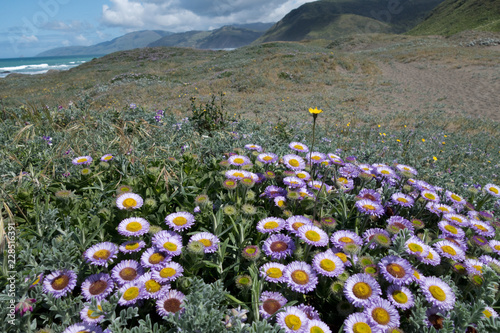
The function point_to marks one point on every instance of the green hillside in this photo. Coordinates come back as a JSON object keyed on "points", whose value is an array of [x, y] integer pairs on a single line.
{"points": [[333, 18], [453, 16]]}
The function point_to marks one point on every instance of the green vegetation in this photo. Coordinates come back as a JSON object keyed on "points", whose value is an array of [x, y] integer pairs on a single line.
{"points": [[453, 16]]}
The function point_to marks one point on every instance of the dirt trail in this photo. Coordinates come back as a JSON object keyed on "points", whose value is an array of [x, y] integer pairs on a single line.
{"points": [[471, 89]]}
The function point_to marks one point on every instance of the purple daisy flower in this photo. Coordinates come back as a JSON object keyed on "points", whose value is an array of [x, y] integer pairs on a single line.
{"points": [[101, 254], [273, 191], [133, 226], [170, 302], [361, 289], [253, 147], [315, 157], [168, 272], [132, 246], [278, 246], [293, 182], [344, 184], [267, 158], [328, 264], [396, 270], [438, 293], [60, 283], [129, 201], [492, 189], [482, 228], [131, 293], [402, 200], [376, 237], [300, 277], [310, 312], [279, 201], [450, 230], [406, 168], [271, 302], [294, 162], [271, 224], [126, 271], [369, 194], [369, 207], [416, 247], [293, 223], [97, 286], [152, 258], [495, 246], [304, 175], [396, 223], [433, 258], [238, 160], [209, 241], [349, 171], [430, 196], [82, 160], [171, 244], [180, 221], [385, 171], [358, 322], [272, 272], [237, 174], [450, 250], [316, 325], [343, 237], [152, 288], [297, 146], [107, 157], [313, 235], [88, 315], [455, 198], [292, 319], [382, 314], [457, 219], [400, 296]]}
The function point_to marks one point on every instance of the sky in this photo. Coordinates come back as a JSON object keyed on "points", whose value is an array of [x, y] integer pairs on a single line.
{"points": [[28, 27]]}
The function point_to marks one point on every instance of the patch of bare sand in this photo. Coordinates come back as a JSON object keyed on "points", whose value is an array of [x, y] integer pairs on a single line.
{"points": [[471, 89]]}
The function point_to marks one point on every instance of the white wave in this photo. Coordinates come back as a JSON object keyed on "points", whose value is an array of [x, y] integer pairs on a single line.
{"points": [[23, 67]]}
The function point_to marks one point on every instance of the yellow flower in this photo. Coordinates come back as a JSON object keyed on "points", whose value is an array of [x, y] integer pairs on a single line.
{"points": [[423, 140], [315, 111], [398, 140], [435, 158]]}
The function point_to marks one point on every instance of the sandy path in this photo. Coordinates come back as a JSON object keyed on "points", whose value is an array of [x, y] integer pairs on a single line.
{"points": [[472, 90]]}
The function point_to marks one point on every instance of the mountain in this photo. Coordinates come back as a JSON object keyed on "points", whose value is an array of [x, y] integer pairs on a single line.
{"points": [[330, 19], [222, 38], [129, 41], [453, 16]]}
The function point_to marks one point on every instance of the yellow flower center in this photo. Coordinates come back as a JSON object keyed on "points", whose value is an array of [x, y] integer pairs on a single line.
{"points": [[368, 207], [107, 158], [361, 328], [131, 293], [238, 160], [327, 264], [251, 250], [132, 246], [362, 290], [81, 160], [448, 249], [456, 197], [487, 313], [271, 225], [301, 175], [297, 225], [400, 297], [430, 196], [230, 182], [346, 240], [238, 174], [152, 286], [60, 282], [312, 235], [129, 203], [167, 272], [403, 200], [90, 313], [497, 247], [480, 227], [156, 258], [281, 203], [437, 293], [415, 247], [169, 246], [179, 220], [300, 277], [205, 242], [342, 256], [316, 329], [293, 162], [457, 219], [396, 270], [315, 157], [381, 316], [494, 190], [443, 209], [385, 172], [133, 226], [101, 254], [293, 322], [298, 147], [451, 229], [274, 273], [267, 158]]}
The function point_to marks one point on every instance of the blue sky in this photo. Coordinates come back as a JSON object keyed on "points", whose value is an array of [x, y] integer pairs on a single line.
{"points": [[29, 27]]}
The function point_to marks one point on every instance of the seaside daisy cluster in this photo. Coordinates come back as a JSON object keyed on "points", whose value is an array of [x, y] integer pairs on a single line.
{"points": [[283, 237]]}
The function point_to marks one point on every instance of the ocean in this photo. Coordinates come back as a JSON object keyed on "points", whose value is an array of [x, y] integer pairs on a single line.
{"points": [[40, 65]]}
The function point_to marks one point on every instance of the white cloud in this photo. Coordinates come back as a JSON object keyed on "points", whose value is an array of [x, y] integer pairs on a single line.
{"points": [[182, 15], [82, 40], [29, 39]]}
